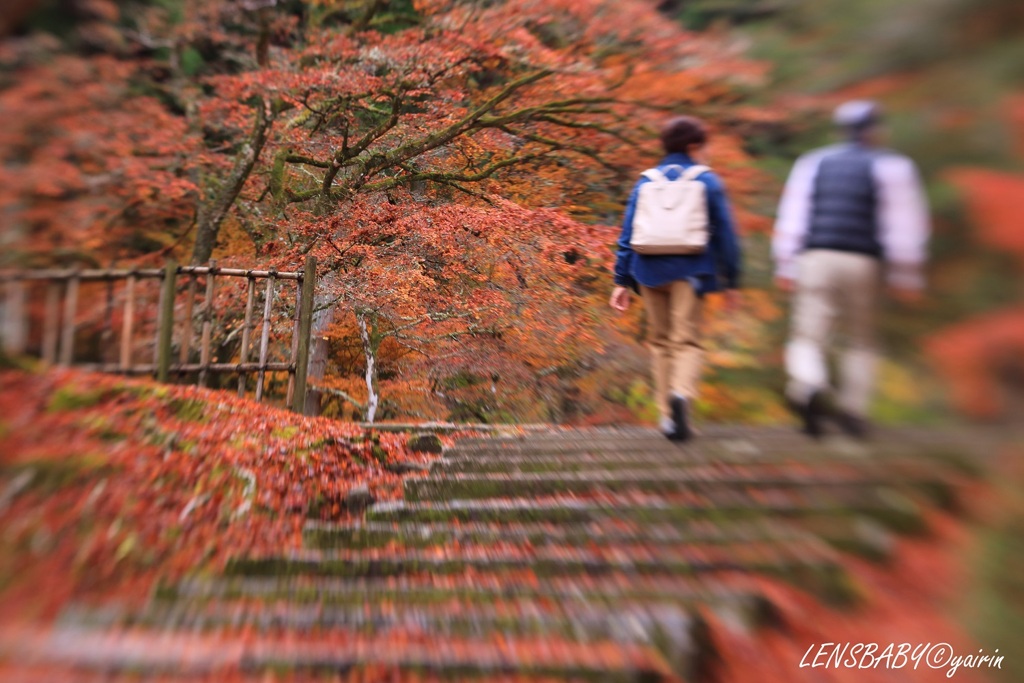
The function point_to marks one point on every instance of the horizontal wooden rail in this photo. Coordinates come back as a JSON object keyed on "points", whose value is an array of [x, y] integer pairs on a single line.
{"points": [[59, 292], [446, 427], [155, 273], [148, 369]]}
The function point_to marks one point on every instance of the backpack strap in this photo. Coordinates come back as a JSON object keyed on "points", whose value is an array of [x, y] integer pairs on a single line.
{"points": [[691, 173], [694, 171]]}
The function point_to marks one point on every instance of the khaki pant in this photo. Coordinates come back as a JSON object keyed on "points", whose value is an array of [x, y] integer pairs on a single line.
{"points": [[673, 311], [834, 286]]}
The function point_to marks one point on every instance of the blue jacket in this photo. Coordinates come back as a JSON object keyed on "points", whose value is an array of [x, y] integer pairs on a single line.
{"points": [[719, 265]]}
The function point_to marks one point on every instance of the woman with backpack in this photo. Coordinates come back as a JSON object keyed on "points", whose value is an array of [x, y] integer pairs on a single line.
{"points": [[678, 244]]}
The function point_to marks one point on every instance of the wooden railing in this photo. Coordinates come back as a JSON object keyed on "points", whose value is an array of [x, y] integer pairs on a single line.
{"points": [[55, 333]]}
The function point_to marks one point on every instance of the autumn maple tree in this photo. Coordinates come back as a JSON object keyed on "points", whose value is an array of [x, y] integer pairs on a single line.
{"points": [[391, 153], [457, 168]]}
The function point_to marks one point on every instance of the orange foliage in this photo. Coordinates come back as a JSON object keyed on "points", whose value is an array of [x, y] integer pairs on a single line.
{"points": [[165, 478], [93, 167], [1015, 115], [994, 206], [880, 87], [974, 355]]}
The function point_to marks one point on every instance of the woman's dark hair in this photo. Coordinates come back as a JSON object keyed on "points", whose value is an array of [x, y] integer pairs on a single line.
{"points": [[680, 133]]}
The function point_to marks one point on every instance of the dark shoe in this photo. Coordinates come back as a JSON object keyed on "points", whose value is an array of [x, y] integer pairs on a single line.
{"points": [[681, 426], [812, 413], [852, 425]]}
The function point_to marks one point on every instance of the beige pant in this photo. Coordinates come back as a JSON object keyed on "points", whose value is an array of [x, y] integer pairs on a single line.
{"points": [[834, 286], [673, 311]]}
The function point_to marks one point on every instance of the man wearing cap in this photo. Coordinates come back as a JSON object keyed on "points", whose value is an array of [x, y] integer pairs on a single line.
{"points": [[850, 214]]}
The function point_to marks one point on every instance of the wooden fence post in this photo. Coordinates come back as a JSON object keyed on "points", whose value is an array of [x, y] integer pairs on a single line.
{"points": [[305, 328], [67, 342], [51, 322], [293, 359], [107, 334], [165, 326], [128, 324], [186, 334], [14, 327], [268, 303], [243, 354], [204, 349]]}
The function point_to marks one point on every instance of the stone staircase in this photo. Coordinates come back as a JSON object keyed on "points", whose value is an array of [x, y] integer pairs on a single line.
{"points": [[602, 554]]}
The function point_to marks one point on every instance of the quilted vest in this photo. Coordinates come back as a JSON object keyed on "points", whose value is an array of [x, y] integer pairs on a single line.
{"points": [[843, 206]]}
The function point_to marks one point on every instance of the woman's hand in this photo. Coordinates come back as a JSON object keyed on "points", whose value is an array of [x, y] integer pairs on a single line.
{"points": [[733, 301], [620, 299]]}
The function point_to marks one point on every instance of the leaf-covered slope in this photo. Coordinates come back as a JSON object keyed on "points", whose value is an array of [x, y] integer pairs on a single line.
{"points": [[107, 482]]}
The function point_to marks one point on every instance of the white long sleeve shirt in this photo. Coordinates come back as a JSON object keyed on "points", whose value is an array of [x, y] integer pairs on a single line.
{"points": [[902, 215]]}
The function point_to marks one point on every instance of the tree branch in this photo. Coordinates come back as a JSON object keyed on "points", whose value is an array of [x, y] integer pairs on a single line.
{"points": [[340, 394], [447, 178], [563, 145], [444, 136], [212, 213], [306, 161]]}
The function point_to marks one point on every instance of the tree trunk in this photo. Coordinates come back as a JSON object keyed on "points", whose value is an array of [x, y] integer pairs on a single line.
{"points": [[367, 17], [13, 295], [323, 317], [369, 350], [214, 209], [265, 11], [13, 314]]}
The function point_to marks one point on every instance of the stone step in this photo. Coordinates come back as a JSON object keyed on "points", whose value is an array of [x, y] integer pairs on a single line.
{"points": [[361, 535], [742, 592], [560, 435], [939, 488], [583, 462], [682, 558], [572, 618], [858, 535], [710, 433], [359, 673], [893, 508], [148, 654], [733, 452], [959, 448], [447, 614], [808, 562], [947, 456]]}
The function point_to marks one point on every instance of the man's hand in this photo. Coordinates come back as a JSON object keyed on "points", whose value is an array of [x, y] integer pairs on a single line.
{"points": [[784, 284], [906, 295], [620, 299]]}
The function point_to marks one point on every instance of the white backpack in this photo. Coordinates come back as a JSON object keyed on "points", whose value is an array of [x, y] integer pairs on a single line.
{"points": [[671, 216]]}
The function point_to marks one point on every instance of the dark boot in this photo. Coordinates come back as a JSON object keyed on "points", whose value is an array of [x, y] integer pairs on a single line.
{"points": [[853, 425], [680, 419], [812, 413]]}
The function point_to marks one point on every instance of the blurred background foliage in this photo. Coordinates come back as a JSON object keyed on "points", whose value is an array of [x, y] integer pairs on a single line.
{"points": [[950, 74]]}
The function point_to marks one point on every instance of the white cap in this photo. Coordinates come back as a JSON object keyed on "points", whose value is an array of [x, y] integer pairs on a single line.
{"points": [[857, 114]]}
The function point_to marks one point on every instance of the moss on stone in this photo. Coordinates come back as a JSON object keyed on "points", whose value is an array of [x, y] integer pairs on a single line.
{"points": [[68, 398], [189, 409]]}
